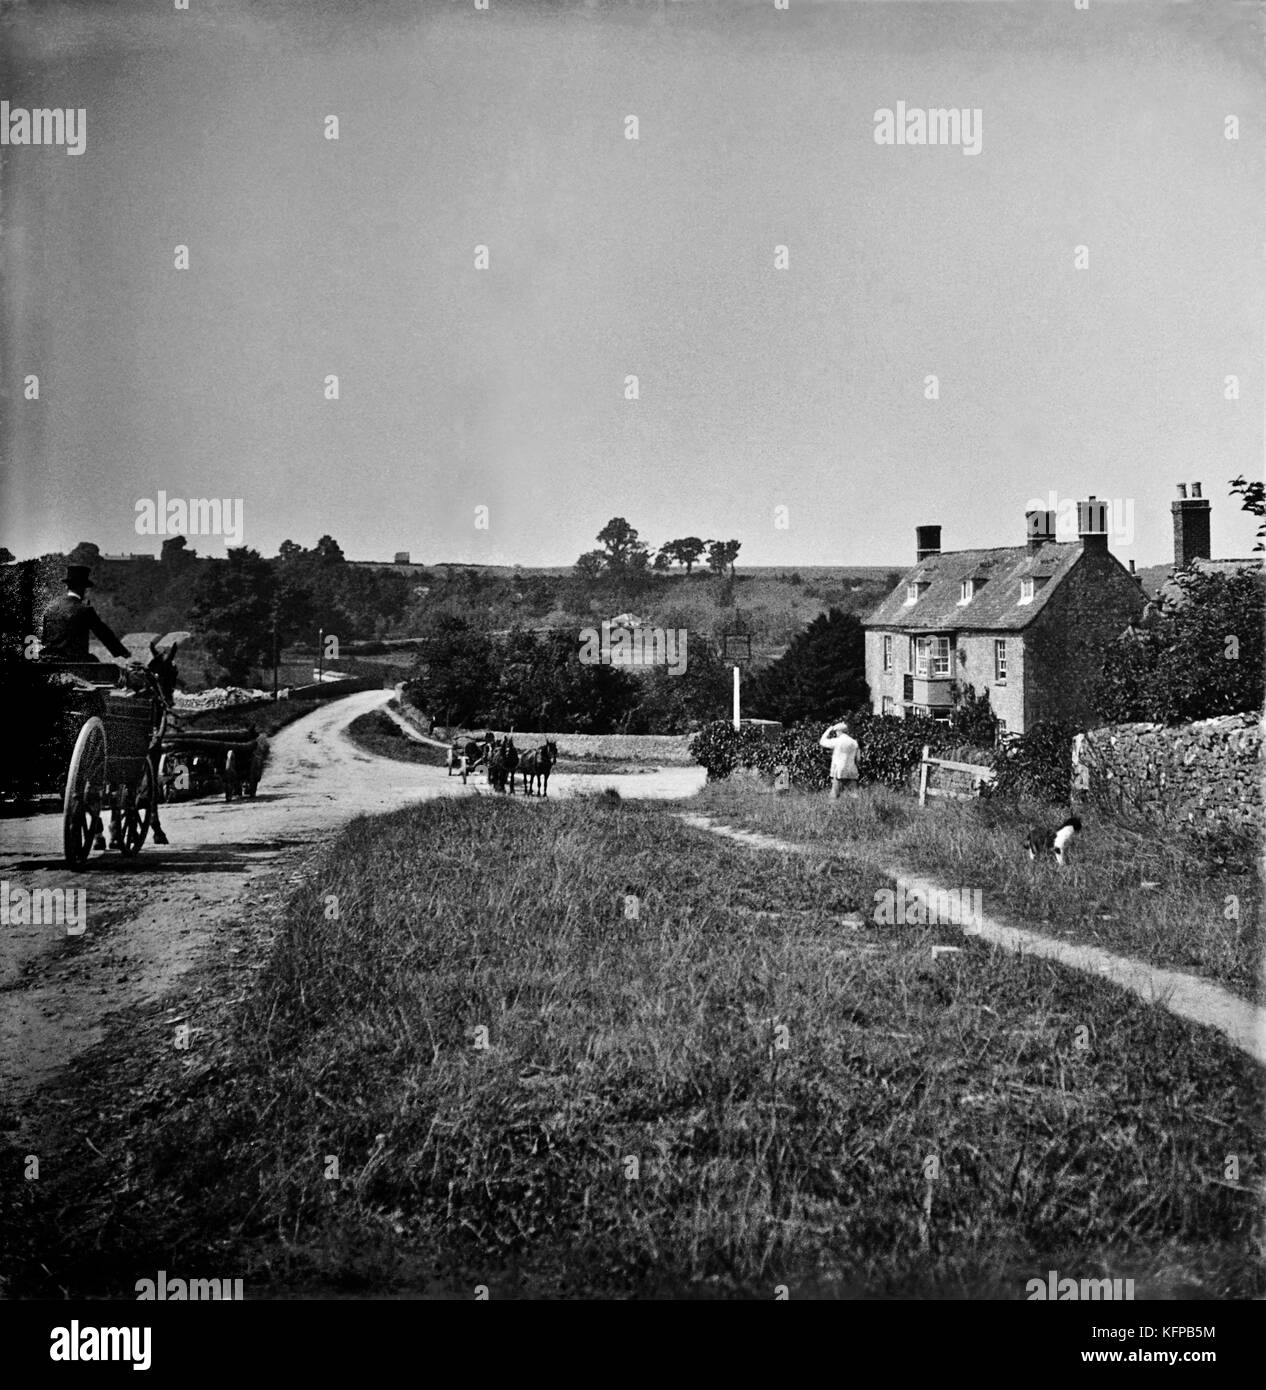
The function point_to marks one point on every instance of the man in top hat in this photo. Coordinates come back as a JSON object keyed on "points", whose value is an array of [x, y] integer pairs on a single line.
{"points": [[68, 621]]}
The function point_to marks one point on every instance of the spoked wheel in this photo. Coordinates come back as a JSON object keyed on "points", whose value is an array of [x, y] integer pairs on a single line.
{"points": [[85, 794], [138, 813]]}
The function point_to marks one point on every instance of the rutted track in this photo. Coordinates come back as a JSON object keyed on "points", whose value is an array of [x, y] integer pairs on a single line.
{"points": [[151, 918]]}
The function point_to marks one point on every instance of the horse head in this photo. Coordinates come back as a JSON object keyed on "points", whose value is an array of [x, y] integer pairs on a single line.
{"points": [[162, 666]]}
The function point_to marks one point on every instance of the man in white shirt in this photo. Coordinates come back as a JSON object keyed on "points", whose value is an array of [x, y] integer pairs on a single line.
{"points": [[844, 750]]}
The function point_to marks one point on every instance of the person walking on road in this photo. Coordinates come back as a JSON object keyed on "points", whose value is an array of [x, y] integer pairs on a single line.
{"points": [[844, 749]]}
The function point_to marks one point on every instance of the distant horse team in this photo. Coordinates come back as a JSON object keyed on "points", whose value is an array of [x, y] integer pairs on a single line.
{"points": [[503, 762]]}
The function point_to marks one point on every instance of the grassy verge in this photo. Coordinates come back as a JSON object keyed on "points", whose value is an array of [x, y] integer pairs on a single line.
{"points": [[1181, 921], [526, 1086], [379, 734]]}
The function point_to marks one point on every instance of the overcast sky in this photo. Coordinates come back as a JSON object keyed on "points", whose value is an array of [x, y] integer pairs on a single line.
{"points": [[504, 388]]}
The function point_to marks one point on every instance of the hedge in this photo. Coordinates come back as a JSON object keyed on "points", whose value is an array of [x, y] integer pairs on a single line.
{"points": [[889, 749]]}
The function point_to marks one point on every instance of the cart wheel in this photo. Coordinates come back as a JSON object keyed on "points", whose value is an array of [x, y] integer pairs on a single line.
{"points": [[137, 814], [85, 789]]}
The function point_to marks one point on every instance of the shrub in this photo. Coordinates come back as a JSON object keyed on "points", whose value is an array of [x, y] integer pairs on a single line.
{"points": [[1037, 763], [889, 753]]}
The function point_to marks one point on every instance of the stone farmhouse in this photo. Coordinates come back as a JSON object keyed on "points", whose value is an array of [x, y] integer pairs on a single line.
{"points": [[1028, 624]]}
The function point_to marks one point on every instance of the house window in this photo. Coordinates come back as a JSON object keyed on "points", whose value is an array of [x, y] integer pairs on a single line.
{"points": [[1000, 661], [1026, 591], [966, 589], [887, 652], [912, 594], [888, 706], [1001, 730], [931, 657]]}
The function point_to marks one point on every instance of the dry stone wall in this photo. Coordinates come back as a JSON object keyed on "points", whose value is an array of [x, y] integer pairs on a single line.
{"points": [[1206, 775]]}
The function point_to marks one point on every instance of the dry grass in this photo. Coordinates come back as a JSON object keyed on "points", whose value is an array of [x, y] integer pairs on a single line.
{"points": [[1202, 912], [783, 1082]]}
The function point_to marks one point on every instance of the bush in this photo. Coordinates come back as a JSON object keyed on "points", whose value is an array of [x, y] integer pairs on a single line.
{"points": [[1199, 654], [1037, 763], [890, 749]]}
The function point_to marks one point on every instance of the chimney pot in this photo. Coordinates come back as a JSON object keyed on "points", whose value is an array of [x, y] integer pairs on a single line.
{"points": [[1191, 527], [927, 541], [1039, 527], [1092, 525], [1182, 490]]}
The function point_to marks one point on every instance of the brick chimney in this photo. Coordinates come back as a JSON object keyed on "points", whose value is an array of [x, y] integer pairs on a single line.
{"points": [[1191, 526], [1040, 529], [927, 541], [1092, 525]]}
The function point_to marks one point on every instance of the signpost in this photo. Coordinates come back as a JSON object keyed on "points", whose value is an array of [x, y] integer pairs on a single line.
{"points": [[736, 648]]}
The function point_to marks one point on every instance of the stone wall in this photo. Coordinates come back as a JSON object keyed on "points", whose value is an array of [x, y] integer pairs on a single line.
{"points": [[1206, 775]]}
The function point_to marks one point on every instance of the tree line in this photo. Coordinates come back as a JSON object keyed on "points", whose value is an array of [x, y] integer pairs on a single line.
{"points": [[624, 553]]}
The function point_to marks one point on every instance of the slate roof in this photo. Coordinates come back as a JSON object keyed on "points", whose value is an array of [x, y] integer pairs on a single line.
{"points": [[995, 606]]}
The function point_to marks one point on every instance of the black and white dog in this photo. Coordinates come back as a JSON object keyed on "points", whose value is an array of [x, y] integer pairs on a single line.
{"points": [[1057, 842]]}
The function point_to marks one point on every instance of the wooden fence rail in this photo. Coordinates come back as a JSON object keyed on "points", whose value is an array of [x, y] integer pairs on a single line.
{"points": [[979, 772]]}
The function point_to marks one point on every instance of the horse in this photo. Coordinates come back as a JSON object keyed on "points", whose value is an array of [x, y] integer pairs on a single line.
{"points": [[503, 764], [536, 766]]}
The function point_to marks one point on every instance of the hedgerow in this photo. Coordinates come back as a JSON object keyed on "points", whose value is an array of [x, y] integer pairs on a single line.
{"points": [[889, 749]]}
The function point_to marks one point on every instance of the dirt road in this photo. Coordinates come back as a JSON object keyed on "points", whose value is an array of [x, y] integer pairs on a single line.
{"points": [[150, 919]]}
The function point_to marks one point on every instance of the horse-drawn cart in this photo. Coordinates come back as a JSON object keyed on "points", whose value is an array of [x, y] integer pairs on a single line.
{"points": [[127, 736]]}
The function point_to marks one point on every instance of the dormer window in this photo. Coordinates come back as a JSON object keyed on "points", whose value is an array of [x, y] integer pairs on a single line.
{"points": [[912, 593], [966, 589], [1026, 590]]}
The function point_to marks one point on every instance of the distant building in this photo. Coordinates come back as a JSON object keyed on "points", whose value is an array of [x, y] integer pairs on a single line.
{"points": [[1028, 624], [402, 558]]}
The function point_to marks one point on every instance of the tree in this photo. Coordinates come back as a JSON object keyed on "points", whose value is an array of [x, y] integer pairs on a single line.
{"points": [[590, 565], [6, 555], [620, 541], [821, 675], [455, 674], [329, 552], [1201, 657], [1254, 502], [232, 610], [678, 702], [289, 550], [684, 551], [722, 555]]}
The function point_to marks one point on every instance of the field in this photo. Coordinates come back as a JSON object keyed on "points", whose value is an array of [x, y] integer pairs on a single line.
{"points": [[575, 1049]]}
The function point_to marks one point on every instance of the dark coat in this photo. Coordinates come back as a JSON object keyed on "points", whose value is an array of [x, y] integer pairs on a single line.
{"points": [[67, 623]]}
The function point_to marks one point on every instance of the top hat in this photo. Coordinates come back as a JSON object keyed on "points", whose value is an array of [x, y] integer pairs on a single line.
{"points": [[77, 578]]}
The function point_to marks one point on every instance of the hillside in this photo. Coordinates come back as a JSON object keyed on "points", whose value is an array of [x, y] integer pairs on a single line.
{"points": [[770, 604]]}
